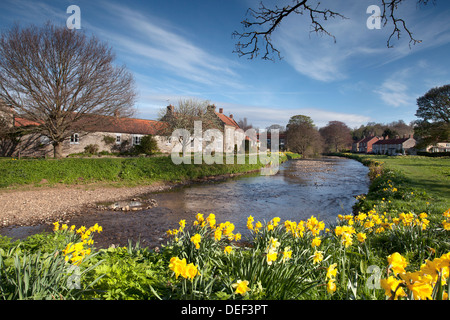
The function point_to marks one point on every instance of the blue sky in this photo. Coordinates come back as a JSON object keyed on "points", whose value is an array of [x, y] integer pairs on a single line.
{"points": [[184, 49]]}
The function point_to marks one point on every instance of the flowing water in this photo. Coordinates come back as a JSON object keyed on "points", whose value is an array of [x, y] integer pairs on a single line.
{"points": [[322, 187]]}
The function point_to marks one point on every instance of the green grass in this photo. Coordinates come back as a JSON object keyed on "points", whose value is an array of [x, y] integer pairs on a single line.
{"points": [[430, 174], [423, 183], [122, 171]]}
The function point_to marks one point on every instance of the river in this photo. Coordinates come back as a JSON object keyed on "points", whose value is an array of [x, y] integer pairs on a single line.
{"points": [[323, 187]]}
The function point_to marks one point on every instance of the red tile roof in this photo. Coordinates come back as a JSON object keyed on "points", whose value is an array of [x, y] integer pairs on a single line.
{"points": [[227, 120], [392, 141], [97, 123], [22, 122], [367, 139]]}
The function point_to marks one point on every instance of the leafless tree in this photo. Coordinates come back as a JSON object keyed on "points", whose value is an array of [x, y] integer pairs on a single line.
{"points": [[184, 115], [336, 136], [56, 76], [262, 22], [303, 136], [244, 124]]}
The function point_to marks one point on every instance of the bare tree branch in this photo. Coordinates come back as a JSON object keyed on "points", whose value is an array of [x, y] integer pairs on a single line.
{"points": [[389, 15], [272, 18], [264, 21]]}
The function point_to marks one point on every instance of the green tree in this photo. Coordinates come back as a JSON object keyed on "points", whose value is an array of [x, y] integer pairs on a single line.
{"points": [[434, 116], [303, 136]]}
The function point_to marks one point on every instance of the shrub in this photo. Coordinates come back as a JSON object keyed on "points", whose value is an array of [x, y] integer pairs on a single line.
{"points": [[91, 149], [109, 139], [148, 145]]}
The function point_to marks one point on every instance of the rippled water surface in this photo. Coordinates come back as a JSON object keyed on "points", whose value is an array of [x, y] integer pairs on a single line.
{"points": [[322, 187]]}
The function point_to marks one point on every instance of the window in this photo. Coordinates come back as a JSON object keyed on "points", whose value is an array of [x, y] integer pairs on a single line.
{"points": [[118, 138], [74, 138], [137, 140]]}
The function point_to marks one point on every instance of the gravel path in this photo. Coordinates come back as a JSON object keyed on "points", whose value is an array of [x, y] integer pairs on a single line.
{"points": [[48, 204]]}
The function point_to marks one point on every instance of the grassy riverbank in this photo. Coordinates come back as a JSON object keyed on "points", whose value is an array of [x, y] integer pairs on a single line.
{"points": [[407, 182], [117, 171], [390, 249]]}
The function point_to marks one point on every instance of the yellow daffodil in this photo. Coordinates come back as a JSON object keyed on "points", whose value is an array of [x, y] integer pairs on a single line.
{"points": [[397, 263], [331, 286], [361, 237], [287, 254], [317, 257], [241, 287], [195, 239], [392, 286], [316, 242], [271, 257], [331, 271]]}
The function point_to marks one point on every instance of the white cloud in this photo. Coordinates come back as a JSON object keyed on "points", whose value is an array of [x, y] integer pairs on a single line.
{"points": [[162, 46], [394, 92]]}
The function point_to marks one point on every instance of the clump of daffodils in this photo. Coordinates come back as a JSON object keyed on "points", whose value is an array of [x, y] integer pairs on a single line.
{"points": [[446, 222], [272, 252], [75, 252], [331, 277], [180, 267], [419, 285]]}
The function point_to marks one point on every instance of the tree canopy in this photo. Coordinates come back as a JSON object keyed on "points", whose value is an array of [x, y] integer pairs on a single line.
{"points": [[433, 112], [303, 136]]}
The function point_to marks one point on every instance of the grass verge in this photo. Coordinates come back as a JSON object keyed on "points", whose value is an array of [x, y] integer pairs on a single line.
{"points": [[123, 171]]}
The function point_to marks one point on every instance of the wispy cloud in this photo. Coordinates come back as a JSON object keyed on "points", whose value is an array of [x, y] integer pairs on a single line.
{"points": [[162, 45], [394, 93], [265, 116], [320, 58], [404, 86]]}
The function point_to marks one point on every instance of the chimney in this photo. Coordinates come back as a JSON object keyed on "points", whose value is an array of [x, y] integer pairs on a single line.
{"points": [[170, 108], [116, 113], [231, 116], [212, 108], [220, 110]]}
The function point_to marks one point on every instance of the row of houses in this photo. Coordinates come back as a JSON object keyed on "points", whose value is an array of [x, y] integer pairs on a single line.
{"points": [[108, 133], [385, 145]]}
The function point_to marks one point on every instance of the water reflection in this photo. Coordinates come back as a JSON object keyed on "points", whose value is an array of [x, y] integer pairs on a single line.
{"points": [[322, 187]]}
